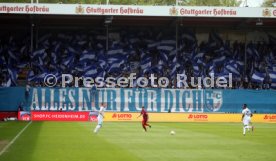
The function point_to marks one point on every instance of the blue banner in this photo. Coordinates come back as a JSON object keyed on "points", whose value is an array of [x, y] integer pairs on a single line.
{"points": [[123, 99]]}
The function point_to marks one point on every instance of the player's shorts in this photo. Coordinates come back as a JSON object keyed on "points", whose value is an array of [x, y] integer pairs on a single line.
{"points": [[145, 120], [100, 119], [246, 121]]}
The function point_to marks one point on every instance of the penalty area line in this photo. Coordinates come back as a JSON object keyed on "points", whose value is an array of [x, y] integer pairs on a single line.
{"points": [[14, 139]]}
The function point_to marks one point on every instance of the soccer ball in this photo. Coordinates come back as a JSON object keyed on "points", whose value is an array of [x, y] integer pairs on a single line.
{"points": [[172, 132]]}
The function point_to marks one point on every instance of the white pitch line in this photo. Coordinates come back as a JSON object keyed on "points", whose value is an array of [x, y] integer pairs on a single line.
{"points": [[14, 139]]}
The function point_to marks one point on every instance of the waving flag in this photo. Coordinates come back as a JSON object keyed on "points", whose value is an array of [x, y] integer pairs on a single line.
{"points": [[116, 66], [12, 76], [215, 40], [199, 55], [188, 39], [39, 53], [115, 51], [252, 51], [166, 46], [145, 63], [272, 75], [153, 45], [189, 36], [173, 71], [31, 76], [91, 72], [163, 57], [257, 77], [273, 85], [233, 68], [12, 55], [87, 56], [196, 70], [219, 60]]}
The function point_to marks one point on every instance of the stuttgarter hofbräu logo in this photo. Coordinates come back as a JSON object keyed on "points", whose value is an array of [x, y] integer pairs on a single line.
{"points": [[266, 12], [79, 9], [173, 11]]}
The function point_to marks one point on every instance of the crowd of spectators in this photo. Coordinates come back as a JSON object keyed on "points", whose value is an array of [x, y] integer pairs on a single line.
{"points": [[140, 51]]}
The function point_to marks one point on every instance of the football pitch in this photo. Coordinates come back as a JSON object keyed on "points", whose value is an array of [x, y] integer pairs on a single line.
{"points": [[123, 141]]}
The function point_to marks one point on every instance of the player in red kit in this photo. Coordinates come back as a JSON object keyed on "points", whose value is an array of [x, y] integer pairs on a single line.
{"points": [[145, 118]]}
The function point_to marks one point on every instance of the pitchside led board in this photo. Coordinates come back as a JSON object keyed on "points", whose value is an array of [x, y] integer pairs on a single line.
{"points": [[66, 100]]}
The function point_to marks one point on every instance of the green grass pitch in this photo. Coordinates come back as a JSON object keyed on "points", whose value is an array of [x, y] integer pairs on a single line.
{"points": [[122, 141]]}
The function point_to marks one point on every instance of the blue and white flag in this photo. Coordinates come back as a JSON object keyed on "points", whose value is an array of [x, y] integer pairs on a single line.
{"points": [[252, 51], [189, 36], [22, 64], [272, 76], [8, 83], [102, 74], [31, 76], [54, 58], [115, 51], [39, 53], [12, 75], [215, 39], [196, 70], [219, 60], [87, 56], [273, 85], [233, 68], [166, 49], [153, 45], [13, 55], [199, 55], [91, 72], [102, 63], [168, 43], [42, 75], [257, 77], [173, 71], [116, 66], [223, 74], [164, 57], [200, 61], [166, 46], [274, 68], [145, 63]]}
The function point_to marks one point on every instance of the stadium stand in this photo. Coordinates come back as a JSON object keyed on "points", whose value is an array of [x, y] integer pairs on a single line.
{"points": [[143, 51]]}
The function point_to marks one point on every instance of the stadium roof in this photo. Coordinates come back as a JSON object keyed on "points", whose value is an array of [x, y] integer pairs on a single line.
{"points": [[13, 20], [76, 15], [134, 10]]}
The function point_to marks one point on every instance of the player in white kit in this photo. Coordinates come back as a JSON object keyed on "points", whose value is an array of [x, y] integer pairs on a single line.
{"points": [[246, 119], [100, 118]]}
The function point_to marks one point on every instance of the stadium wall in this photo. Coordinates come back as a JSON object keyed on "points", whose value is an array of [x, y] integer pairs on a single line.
{"points": [[132, 117], [131, 100], [188, 117]]}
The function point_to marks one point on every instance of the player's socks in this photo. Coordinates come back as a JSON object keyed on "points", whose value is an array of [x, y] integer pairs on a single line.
{"points": [[145, 128], [252, 128], [248, 128], [244, 130], [97, 128]]}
